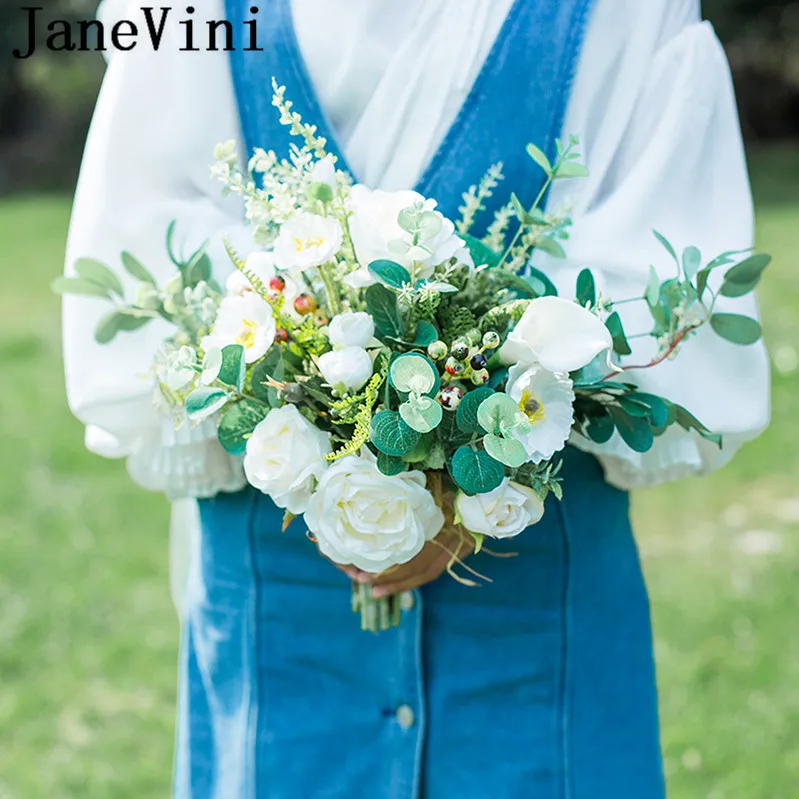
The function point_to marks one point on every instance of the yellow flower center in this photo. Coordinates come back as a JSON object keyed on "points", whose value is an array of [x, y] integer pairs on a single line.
{"points": [[531, 407], [246, 336], [306, 244]]}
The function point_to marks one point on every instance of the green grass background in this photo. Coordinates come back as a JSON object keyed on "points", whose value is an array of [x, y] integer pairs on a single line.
{"points": [[88, 637]]}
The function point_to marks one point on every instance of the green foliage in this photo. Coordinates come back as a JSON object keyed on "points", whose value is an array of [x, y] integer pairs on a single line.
{"points": [[204, 402], [136, 269], [481, 253], [98, 273], [234, 367], [586, 289], [390, 274], [391, 435], [736, 328], [745, 276], [239, 420], [421, 413], [123, 319], [620, 344], [381, 303], [270, 366], [466, 415], [456, 322], [76, 285], [390, 465], [475, 471]]}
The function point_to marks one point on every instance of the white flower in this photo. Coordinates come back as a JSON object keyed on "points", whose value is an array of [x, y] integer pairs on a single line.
{"points": [[502, 513], [178, 370], [306, 241], [559, 334], [547, 399], [285, 458], [350, 367], [360, 516], [261, 264], [324, 171], [245, 320], [352, 330], [376, 234]]}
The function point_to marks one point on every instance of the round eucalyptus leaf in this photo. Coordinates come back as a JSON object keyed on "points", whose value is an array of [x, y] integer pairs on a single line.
{"points": [[475, 471], [735, 328], [205, 402], [414, 373], [467, 410], [391, 435], [237, 424], [499, 412], [421, 413], [635, 432], [389, 465], [505, 450]]}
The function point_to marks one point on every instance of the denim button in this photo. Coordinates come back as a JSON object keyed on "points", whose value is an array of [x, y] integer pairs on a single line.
{"points": [[405, 717], [407, 600]]}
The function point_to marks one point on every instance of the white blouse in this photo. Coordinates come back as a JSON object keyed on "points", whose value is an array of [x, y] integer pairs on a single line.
{"points": [[652, 103]]}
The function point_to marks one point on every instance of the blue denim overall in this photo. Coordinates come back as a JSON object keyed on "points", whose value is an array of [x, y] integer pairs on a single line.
{"points": [[539, 685]]}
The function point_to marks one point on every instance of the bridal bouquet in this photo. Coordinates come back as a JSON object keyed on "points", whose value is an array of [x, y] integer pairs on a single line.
{"points": [[387, 372]]}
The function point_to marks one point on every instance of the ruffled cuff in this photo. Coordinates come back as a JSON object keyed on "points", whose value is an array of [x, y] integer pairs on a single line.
{"points": [[676, 454], [185, 462]]}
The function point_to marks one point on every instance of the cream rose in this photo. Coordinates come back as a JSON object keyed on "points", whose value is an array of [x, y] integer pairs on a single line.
{"points": [[361, 517], [352, 330], [350, 367], [285, 457], [502, 513]]}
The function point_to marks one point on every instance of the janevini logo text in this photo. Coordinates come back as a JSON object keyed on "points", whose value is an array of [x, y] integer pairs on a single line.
{"points": [[60, 35]]}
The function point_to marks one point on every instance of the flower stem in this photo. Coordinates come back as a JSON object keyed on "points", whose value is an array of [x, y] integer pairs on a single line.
{"points": [[376, 614], [333, 302]]}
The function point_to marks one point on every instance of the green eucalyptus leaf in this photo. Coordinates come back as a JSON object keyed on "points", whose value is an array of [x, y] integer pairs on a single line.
{"points": [[198, 270], [652, 287], [421, 413], [540, 158], [96, 272], [414, 373], [688, 421], [621, 346], [586, 288], [391, 435], [505, 450], [466, 415], [426, 334], [76, 285], [600, 429], [234, 366], [635, 431], [475, 471], [658, 408], [551, 247], [123, 319], [571, 169], [536, 276], [420, 452], [271, 365], [481, 253], [237, 424], [521, 212], [135, 268], [702, 277], [667, 245], [745, 276], [390, 273], [381, 303], [498, 412], [170, 245], [448, 432], [735, 328], [691, 261], [205, 402]]}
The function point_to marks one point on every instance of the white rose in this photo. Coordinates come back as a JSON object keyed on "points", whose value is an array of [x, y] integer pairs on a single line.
{"points": [[361, 517], [376, 234], [352, 330], [559, 334], [245, 320], [307, 241], [285, 458], [502, 513], [350, 367], [547, 400]]}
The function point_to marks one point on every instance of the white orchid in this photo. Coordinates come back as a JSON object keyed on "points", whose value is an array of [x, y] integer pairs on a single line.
{"points": [[559, 334]]}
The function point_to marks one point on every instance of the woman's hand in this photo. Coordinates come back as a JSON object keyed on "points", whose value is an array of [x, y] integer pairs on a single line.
{"points": [[427, 566]]}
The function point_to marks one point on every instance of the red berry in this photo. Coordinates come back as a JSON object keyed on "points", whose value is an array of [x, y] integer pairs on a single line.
{"points": [[277, 284], [305, 304], [281, 335]]}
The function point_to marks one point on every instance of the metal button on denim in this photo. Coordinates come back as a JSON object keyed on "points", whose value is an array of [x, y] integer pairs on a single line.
{"points": [[407, 601], [405, 717]]}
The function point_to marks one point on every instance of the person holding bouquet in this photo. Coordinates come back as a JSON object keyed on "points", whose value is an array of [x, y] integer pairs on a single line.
{"points": [[540, 683]]}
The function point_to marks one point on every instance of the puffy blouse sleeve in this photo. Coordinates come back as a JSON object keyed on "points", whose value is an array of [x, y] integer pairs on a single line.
{"points": [[158, 118], [654, 106]]}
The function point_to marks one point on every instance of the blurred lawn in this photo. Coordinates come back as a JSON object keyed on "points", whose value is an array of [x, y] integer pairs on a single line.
{"points": [[88, 636]]}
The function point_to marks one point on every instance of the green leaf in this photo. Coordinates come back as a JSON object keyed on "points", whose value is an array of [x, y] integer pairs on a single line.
{"points": [[691, 261], [466, 415], [745, 276], [271, 365], [421, 413], [498, 412], [620, 344], [505, 450], [170, 249], [600, 429], [736, 328], [586, 288], [100, 274], [475, 471], [481, 253], [688, 421], [234, 366], [136, 269], [652, 287], [635, 431], [389, 465], [702, 277], [658, 408], [521, 212], [381, 303], [205, 402], [726, 258], [551, 247], [123, 319], [414, 373], [426, 334], [198, 269], [75, 285], [391, 435], [667, 245], [390, 273], [449, 434], [237, 424], [549, 288], [571, 169], [421, 450], [540, 158]]}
